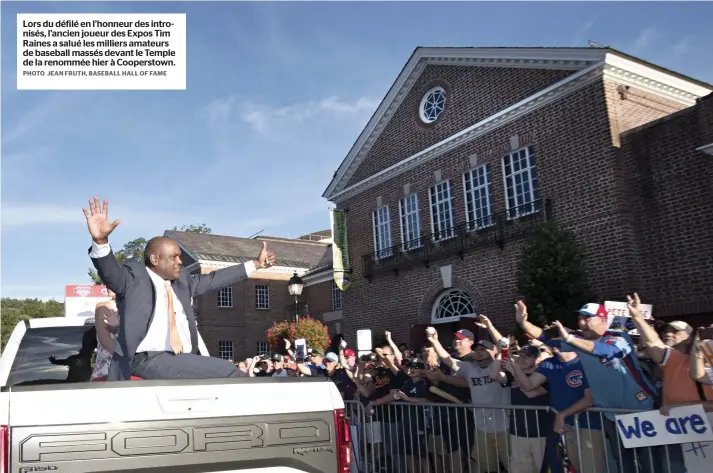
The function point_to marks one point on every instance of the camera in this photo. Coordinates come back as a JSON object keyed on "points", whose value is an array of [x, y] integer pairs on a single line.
{"points": [[705, 333]]}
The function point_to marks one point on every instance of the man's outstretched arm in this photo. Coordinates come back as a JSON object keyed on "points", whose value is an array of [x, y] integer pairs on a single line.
{"points": [[216, 280]]}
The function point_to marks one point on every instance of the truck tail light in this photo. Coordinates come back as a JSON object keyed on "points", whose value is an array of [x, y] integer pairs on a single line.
{"points": [[4, 448], [344, 441]]}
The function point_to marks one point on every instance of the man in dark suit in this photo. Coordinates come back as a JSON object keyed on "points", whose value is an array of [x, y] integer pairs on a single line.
{"points": [[157, 336]]}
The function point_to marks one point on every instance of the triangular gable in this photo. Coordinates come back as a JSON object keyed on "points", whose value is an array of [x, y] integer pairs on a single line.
{"points": [[573, 59]]}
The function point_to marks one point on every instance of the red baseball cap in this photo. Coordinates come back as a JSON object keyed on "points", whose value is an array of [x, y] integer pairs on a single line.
{"points": [[349, 352], [594, 310]]}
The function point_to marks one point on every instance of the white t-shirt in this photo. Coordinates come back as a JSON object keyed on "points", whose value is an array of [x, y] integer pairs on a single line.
{"points": [[485, 391]]}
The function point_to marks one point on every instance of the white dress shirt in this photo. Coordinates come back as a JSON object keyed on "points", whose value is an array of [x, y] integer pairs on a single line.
{"points": [[158, 337]]}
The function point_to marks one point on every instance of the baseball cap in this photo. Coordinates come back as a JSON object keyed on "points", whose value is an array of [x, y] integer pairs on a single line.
{"points": [[317, 352], [332, 357], [681, 326], [277, 357], [487, 344], [530, 350], [349, 352], [593, 310], [463, 334]]}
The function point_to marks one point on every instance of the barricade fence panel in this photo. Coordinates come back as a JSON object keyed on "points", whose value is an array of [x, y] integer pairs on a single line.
{"points": [[448, 438]]}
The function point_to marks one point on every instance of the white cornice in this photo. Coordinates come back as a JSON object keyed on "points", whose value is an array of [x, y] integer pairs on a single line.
{"points": [[318, 278], [647, 78], [651, 79], [273, 269], [548, 95], [591, 62]]}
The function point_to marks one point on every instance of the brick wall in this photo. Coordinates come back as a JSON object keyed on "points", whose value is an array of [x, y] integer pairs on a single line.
{"points": [[319, 298], [670, 191], [630, 107], [473, 94], [578, 169], [243, 323]]}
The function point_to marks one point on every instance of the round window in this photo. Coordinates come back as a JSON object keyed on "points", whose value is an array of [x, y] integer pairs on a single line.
{"points": [[432, 104]]}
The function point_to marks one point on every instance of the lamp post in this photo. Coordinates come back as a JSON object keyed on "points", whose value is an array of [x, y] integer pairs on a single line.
{"points": [[295, 285]]}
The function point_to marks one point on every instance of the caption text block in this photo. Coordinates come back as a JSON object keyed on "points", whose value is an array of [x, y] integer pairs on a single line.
{"points": [[85, 51]]}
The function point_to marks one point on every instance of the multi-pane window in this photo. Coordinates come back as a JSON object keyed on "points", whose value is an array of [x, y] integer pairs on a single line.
{"points": [[410, 222], [226, 349], [382, 233], [336, 297], [262, 348], [521, 191], [478, 197], [442, 219], [225, 297], [262, 297]]}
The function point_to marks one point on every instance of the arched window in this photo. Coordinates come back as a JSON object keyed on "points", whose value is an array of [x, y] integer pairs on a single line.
{"points": [[451, 306]]}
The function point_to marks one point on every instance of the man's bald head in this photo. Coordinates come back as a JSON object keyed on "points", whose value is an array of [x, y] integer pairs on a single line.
{"points": [[163, 256]]}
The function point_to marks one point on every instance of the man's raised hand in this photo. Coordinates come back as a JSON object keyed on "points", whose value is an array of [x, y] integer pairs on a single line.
{"points": [[265, 259], [520, 312], [98, 221]]}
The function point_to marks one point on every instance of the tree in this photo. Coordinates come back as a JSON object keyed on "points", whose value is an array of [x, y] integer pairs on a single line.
{"points": [[135, 248], [17, 310], [200, 228], [132, 249], [552, 276]]}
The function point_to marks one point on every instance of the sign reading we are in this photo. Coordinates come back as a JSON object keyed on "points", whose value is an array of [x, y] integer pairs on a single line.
{"points": [[650, 428]]}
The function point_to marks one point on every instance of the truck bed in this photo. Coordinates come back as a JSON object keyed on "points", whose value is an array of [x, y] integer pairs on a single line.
{"points": [[204, 426]]}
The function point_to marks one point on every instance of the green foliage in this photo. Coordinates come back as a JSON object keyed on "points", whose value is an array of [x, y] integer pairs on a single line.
{"points": [[135, 248], [552, 276], [199, 228], [17, 310]]}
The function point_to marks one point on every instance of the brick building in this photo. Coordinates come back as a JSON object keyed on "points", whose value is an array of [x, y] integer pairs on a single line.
{"points": [[472, 147], [234, 321]]}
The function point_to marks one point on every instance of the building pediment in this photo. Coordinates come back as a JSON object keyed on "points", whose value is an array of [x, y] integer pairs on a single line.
{"points": [[585, 65]]}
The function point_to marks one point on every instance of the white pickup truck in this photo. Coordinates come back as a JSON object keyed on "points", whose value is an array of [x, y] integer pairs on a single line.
{"points": [[264, 425]]}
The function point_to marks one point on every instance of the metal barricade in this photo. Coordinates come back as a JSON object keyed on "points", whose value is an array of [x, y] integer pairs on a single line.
{"points": [[449, 438]]}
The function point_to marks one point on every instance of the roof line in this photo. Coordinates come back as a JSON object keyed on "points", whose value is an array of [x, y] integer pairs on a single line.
{"points": [[660, 68], [180, 245]]}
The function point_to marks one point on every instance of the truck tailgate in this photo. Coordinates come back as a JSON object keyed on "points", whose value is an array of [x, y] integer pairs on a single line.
{"points": [[267, 425]]}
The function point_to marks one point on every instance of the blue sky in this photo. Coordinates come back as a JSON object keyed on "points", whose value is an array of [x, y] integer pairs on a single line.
{"points": [[276, 95]]}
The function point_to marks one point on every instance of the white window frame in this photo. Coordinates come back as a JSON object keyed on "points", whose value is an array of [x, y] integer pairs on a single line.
{"points": [[337, 297], [410, 219], [482, 214], [457, 293], [262, 348], [262, 304], [517, 204], [381, 223], [226, 349], [449, 222], [225, 298]]}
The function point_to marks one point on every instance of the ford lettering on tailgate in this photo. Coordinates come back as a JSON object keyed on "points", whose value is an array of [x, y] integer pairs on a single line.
{"points": [[115, 441]]}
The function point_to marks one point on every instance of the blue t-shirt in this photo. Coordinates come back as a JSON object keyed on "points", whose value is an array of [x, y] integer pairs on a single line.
{"points": [[614, 372], [414, 414], [567, 383]]}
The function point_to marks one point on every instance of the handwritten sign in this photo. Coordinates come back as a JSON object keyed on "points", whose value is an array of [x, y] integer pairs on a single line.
{"points": [[698, 455], [650, 428], [618, 313]]}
